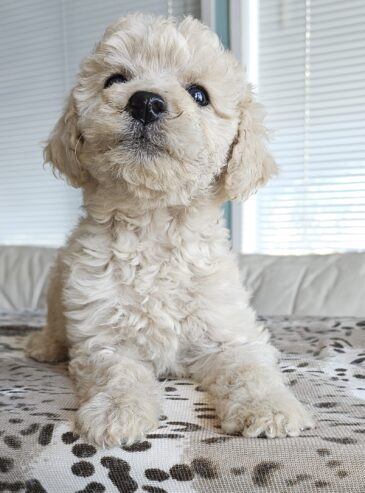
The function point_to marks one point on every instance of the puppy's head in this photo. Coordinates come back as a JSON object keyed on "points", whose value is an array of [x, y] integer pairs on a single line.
{"points": [[161, 111]]}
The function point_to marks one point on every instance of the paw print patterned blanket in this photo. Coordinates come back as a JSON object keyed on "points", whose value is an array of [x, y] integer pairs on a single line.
{"points": [[323, 360]]}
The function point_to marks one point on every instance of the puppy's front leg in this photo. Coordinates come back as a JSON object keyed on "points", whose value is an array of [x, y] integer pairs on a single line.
{"points": [[249, 392], [119, 397]]}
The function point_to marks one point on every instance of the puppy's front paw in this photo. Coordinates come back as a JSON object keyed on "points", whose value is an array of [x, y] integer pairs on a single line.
{"points": [[109, 421], [277, 415]]}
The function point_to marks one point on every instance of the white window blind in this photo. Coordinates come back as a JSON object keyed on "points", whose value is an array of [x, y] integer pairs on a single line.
{"points": [[41, 45], [311, 71]]}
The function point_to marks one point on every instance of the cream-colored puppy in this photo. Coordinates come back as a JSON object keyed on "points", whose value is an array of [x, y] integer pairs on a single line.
{"points": [[160, 129]]}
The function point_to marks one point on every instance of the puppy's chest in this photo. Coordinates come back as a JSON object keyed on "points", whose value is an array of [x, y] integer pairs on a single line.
{"points": [[150, 270], [141, 281]]}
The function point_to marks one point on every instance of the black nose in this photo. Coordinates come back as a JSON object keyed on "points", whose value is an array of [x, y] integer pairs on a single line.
{"points": [[146, 106]]}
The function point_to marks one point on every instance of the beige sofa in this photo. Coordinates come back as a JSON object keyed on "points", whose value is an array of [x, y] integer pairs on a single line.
{"points": [[310, 285]]}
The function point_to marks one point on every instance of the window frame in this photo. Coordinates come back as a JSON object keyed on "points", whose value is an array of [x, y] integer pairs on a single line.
{"points": [[244, 45]]}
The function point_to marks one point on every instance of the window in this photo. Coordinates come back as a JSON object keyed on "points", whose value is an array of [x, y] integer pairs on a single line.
{"points": [[310, 77], [42, 44]]}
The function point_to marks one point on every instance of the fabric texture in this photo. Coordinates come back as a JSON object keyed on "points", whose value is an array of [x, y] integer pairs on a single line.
{"points": [[323, 360]]}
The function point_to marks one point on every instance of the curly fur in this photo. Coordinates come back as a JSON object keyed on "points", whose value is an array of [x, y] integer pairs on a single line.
{"points": [[147, 285]]}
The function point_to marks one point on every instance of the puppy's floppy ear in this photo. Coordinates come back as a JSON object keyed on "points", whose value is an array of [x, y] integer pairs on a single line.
{"points": [[64, 144], [249, 163]]}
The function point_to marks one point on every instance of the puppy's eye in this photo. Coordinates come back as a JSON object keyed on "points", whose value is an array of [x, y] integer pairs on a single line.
{"points": [[199, 95], [114, 79]]}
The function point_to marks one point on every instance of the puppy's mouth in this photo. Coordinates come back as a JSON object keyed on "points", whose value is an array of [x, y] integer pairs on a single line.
{"points": [[147, 140]]}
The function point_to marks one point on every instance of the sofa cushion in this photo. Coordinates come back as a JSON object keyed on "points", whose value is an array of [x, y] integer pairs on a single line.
{"points": [[23, 276], [312, 285]]}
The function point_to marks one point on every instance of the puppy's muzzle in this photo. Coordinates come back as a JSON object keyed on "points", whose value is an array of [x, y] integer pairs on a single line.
{"points": [[146, 107]]}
